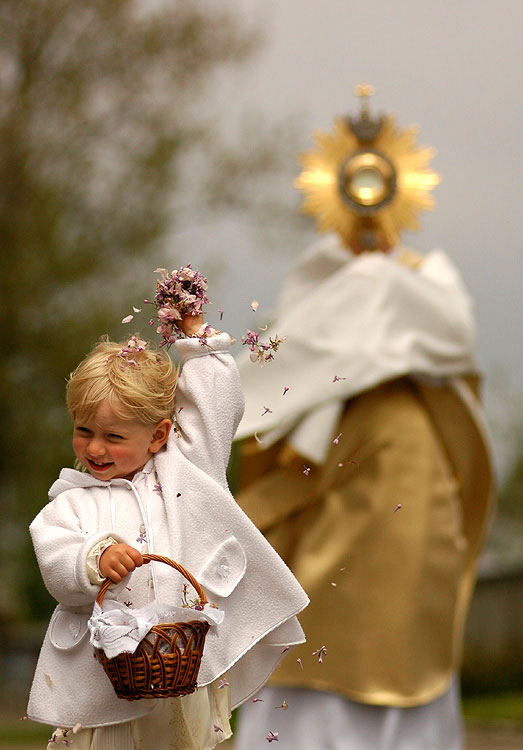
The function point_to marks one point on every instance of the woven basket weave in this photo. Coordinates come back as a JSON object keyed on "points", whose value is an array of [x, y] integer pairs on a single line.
{"points": [[167, 660]]}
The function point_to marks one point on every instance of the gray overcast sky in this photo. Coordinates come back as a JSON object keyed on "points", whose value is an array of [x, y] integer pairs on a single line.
{"points": [[452, 67]]}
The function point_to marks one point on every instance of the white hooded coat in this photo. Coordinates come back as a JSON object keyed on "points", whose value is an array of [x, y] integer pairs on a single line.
{"points": [[194, 520]]}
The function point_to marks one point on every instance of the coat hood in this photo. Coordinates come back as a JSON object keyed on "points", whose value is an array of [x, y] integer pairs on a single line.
{"points": [[70, 479]]}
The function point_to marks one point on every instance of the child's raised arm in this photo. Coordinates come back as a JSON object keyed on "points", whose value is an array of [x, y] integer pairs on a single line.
{"points": [[209, 402]]}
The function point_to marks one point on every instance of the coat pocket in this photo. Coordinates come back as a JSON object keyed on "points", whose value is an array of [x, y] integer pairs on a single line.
{"points": [[225, 568], [67, 629]]}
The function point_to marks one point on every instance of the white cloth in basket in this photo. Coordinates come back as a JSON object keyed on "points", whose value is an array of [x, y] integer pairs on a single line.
{"points": [[118, 629]]}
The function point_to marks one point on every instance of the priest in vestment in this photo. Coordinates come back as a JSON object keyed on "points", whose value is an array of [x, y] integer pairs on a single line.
{"points": [[364, 458]]}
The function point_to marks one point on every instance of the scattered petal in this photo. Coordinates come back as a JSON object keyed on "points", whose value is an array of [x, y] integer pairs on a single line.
{"points": [[337, 438], [285, 650], [284, 705], [398, 506], [321, 652], [23, 718], [343, 568], [127, 318], [258, 438], [217, 728], [223, 683], [261, 352], [266, 411], [285, 389], [76, 728], [333, 584], [48, 679], [137, 309], [257, 700], [300, 663], [255, 305], [221, 314], [272, 736], [336, 378], [263, 328], [306, 470]]}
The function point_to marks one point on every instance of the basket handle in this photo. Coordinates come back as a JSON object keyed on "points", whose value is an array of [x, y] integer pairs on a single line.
{"points": [[159, 558]]}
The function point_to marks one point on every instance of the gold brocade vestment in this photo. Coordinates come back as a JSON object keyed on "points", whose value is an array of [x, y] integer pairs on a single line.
{"points": [[389, 586]]}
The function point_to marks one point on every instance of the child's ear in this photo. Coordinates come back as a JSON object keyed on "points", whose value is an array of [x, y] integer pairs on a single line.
{"points": [[160, 435]]}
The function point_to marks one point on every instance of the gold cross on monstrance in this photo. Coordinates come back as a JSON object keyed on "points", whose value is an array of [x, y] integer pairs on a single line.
{"points": [[364, 91]]}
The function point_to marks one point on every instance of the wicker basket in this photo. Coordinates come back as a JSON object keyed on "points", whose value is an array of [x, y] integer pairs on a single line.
{"points": [[167, 660]]}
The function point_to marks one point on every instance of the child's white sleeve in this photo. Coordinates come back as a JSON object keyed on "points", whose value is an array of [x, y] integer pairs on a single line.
{"points": [[62, 546], [209, 403]]}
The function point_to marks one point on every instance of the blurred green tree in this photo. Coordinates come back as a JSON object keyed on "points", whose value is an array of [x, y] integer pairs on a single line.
{"points": [[100, 103]]}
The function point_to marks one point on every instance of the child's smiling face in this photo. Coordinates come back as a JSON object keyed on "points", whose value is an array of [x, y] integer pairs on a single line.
{"points": [[111, 447]]}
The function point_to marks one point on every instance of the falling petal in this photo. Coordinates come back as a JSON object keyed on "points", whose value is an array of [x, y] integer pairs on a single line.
{"points": [[398, 506], [300, 663], [137, 309], [266, 411], [217, 728], [258, 438], [336, 378], [306, 470], [48, 679], [263, 328], [257, 700], [223, 683], [272, 736], [76, 728], [23, 718], [284, 705], [127, 318], [320, 652], [343, 568], [337, 439], [285, 389], [285, 650], [333, 584], [354, 463], [255, 305], [221, 314]]}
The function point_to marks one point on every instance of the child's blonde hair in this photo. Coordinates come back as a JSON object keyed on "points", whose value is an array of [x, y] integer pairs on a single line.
{"points": [[139, 383]]}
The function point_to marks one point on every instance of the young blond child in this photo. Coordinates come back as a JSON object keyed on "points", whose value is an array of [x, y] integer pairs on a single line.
{"points": [[151, 488]]}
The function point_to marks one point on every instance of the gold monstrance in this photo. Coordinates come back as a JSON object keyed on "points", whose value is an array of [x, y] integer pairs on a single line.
{"points": [[367, 180]]}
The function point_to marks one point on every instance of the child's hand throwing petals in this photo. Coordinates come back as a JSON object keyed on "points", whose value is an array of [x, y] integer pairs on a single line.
{"points": [[191, 324], [118, 560]]}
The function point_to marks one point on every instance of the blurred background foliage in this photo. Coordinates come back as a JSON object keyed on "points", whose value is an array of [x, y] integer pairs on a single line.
{"points": [[103, 119]]}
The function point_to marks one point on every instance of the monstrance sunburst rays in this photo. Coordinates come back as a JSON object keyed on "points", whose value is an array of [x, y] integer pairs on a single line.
{"points": [[320, 181]]}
